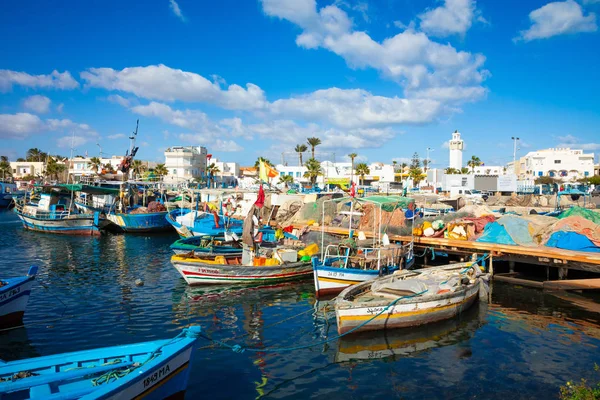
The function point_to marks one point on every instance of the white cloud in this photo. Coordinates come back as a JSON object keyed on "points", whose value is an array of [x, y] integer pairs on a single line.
{"points": [[159, 82], [115, 98], [176, 10], [66, 142], [558, 18], [37, 103], [19, 126], [574, 142], [214, 143], [189, 119], [77, 134], [54, 80], [60, 108], [455, 17], [117, 136], [410, 58], [354, 108]]}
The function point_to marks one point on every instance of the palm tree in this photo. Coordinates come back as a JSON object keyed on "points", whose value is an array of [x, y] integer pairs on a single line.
{"points": [[474, 162], [464, 170], [137, 167], [211, 171], [403, 165], [108, 168], [160, 170], [266, 161], [95, 164], [35, 154], [451, 170], [313, 170], [352, 157], [21, 159], [362, 169], [5, 168], [313, 142], [300, 148], [286, 180], [54, 169]]}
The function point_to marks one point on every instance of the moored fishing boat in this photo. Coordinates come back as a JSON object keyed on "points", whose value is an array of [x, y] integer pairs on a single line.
{"points": [[8, 191], [55, 213], [218, 269], [351, 262], [150, 370], [408, 298], [198, 223], [14, 296]]}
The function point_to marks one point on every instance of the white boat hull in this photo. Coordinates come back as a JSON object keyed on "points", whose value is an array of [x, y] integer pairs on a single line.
{"points": [[14, 302]]}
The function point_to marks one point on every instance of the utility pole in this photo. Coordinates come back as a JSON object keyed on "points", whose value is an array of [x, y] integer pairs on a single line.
{"points": [[427, 158]]}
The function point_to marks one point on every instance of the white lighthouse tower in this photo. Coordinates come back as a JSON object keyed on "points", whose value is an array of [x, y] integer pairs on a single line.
{"points": [[456, 149]]}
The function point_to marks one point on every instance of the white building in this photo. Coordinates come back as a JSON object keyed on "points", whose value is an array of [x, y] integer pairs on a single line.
{"points": [[228, 171], [27, 168], [185, 163], [456, 146], [341, 173], [561, 163], [82, 166]]}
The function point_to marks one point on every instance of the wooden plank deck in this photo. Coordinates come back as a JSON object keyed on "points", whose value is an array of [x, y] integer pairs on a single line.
{"points": [[546, 255]]}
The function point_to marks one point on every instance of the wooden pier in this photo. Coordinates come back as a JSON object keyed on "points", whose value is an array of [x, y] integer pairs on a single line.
{"points": [[543, 256]]}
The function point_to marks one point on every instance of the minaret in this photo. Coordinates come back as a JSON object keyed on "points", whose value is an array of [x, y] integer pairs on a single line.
{"points": [[456, 148]]}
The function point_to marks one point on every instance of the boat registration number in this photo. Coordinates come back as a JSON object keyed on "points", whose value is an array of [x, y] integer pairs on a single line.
{"points": [[157, 376], [375, 310], [335, 274], [10, 294], [208, 271]]}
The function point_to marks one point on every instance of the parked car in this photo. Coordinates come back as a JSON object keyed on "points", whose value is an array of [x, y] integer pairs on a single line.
{"points": [[595, 192]]}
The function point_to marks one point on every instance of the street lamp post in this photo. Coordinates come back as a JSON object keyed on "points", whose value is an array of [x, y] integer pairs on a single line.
{"points": [[427, 158], [515, 139]]}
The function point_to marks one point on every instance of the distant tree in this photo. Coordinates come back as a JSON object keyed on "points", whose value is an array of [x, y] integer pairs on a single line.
{"points": [[54, 168], [35, 154], [464, 170], [286, 180], [21, 159], [300, 148], [451, 170], [5, 169], [138, 167], [313, 170], [362, 169], [108, 168], [545, 180], [95, 164], [415, 172], [352, 157], [160, 170], [313, 142], [403, 165], [3, 158], [474, 162], [266, 161]]}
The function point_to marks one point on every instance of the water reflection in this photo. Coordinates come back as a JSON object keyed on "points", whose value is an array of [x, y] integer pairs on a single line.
{"points": [[405, 342]]}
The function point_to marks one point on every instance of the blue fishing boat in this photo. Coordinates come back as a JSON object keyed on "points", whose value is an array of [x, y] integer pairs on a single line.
{"points": [[221, 245], [354, 261], [55, 213], [133, 222], [14, 295], [150, 370], [197, 223], [8, 190]]}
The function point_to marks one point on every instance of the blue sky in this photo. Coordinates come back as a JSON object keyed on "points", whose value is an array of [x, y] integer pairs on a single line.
{"points": [[249, 78]]}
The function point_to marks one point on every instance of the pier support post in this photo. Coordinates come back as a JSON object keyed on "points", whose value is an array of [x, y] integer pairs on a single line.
{"points": [[491, 267], [511, 266], [562, 273]]}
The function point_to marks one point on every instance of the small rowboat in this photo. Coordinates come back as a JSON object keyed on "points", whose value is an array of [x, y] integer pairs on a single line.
{"points": [[408, 298], [150, 370], [14, 295], [206, 244], [210, 269]]}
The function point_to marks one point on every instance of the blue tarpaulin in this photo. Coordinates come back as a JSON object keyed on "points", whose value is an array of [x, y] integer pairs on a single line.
{"points": [[495, 233], [572, 241]]}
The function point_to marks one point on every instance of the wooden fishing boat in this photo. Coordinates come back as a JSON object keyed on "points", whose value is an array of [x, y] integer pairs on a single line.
{"points": [[408, 298], [218, 269], [14, 295], [351, 262], [207, 244], [150, 370], [141, 222], [53, 215], [197, 223]]}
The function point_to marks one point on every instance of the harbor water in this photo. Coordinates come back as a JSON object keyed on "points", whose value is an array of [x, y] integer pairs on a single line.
{"points": [[524, 344]]}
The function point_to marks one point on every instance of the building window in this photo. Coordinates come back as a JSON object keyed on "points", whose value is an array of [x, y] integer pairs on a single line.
{"points": [[281, 173], [174, 172], [556, 161], [551, 173], [298, 175], [464, 181], [290, 173], [540, 173], [586, 173]]}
